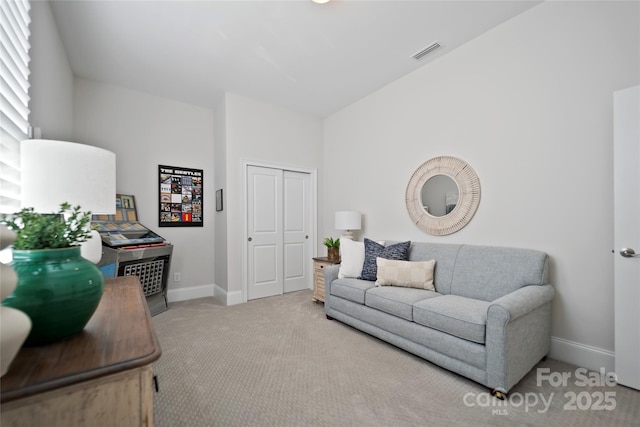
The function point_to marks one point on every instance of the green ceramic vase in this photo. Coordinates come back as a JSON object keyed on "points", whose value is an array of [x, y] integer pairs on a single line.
{"points": [[58, 289]]}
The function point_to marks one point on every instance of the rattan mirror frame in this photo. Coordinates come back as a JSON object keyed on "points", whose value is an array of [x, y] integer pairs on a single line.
{"points": [[468, 199]]}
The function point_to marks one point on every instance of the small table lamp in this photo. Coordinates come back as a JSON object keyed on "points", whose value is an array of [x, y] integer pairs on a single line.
{"points": [[54, 172], [348, 221]]}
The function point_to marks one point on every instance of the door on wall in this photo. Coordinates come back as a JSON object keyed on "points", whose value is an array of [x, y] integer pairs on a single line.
{"points": [[627, 235], [296, 227], [279, 227]]}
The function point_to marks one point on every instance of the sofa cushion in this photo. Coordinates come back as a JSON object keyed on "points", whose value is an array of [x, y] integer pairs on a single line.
{"points": [[351, 289], [373, 250], [396, 301], [459, 316], [408, 274], [351, 258]]}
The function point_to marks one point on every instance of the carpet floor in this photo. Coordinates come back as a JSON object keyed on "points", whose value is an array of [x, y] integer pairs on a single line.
{"points": [[279, 362]]}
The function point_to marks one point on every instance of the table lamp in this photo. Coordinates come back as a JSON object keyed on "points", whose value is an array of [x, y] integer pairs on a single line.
{"points": [[348, 221], [54, 172]]}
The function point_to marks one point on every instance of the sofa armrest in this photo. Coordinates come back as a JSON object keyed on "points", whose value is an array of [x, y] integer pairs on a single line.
{"points": [[330, 274], [518, 334], [520, 302]]}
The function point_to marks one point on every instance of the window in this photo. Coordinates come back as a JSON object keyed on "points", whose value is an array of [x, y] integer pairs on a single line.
{"points": [[14, 97]]}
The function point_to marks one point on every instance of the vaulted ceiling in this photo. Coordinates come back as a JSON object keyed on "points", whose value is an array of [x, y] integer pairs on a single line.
{"points": [[308, 57]]}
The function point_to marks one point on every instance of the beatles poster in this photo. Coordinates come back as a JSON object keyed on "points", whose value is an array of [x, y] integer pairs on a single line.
{"points": [[180, 197]]}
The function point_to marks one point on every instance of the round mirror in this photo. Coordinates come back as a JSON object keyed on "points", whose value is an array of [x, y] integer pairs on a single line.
{"points": [[442, 196], [439, 195]]}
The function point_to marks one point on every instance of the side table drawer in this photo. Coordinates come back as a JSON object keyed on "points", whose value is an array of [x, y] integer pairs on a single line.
{"points": [[124, 398]]}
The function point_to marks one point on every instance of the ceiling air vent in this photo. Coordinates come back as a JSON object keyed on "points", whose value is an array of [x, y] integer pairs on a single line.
{"points": [[418, 56]]}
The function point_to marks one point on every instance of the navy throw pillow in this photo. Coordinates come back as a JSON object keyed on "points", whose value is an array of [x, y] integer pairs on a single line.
{"points": [[373, 250]]}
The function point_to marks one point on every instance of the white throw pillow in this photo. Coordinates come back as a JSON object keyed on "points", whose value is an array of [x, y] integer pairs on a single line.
{"points": [[351, 258], [409, 274]]}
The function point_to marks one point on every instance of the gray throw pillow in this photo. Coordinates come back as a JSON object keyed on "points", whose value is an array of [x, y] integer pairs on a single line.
{"points": [[373, 250]]}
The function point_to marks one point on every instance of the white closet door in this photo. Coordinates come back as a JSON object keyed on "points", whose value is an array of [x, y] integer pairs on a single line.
{"points": [[297, 226], [279, 230], [265, 237]]}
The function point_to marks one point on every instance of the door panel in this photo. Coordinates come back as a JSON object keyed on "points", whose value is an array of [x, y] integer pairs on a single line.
{"points": [[294, 254], [265, 271], [294, 199], [297, 214], [627, 235], [265, 195], [264, 217]]}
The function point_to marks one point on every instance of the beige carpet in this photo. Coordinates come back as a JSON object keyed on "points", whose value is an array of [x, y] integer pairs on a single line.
{"points": [[278, 362]]}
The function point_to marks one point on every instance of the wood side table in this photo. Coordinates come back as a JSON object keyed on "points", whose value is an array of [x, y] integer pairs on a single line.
{"points": [[319, 264], [99, 377]]}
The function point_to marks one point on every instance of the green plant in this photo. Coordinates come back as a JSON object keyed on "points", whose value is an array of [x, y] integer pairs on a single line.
{"points": [[331, 243], [64, 229]]}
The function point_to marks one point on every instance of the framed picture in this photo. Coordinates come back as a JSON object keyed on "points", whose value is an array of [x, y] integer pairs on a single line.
{"points": [[219, 200], [126, 202], [181, 197]]}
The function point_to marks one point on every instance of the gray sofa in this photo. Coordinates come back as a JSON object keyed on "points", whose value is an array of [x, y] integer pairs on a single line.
{"points": [[489, 319]]}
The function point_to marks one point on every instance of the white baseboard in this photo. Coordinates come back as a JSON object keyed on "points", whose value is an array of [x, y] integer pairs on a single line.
{"points": [[190, 292], [234, 298], [592, 358], [213, 290], [227, 298]]}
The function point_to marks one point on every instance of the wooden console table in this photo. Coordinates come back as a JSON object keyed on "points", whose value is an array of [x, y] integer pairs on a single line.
{"points": [[99, 377]]}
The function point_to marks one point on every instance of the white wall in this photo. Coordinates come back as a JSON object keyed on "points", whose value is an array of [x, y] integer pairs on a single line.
{"points": [[51, 77], [262, 133], [529, 106], [145, 131]]}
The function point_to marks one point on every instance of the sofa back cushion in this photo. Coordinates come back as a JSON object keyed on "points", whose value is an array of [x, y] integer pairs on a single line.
{"points": [[488, 272], [445, 256], [481, 272]]}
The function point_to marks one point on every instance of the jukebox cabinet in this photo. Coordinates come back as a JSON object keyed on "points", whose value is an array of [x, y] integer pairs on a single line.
{"points": [[131, 249]]}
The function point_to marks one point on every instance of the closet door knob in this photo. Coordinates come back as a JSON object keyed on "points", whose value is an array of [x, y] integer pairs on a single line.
{"points": [[249, 239]]}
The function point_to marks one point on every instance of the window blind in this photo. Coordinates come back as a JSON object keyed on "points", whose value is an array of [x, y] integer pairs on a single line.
{"points": [[14, 97]]}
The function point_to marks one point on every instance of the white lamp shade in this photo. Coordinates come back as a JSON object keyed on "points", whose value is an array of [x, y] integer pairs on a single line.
{"points": [[348, 220], [54, 172]]}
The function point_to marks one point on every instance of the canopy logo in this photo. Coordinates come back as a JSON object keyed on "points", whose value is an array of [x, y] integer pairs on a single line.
{"points": [[597, 398]]}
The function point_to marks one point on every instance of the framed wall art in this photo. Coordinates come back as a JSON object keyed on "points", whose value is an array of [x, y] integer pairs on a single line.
{"points": [[219, 205], [181, 197]]}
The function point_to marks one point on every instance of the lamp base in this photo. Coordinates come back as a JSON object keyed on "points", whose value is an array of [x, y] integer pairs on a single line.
{"points": [[92, 248], [348, 234]]}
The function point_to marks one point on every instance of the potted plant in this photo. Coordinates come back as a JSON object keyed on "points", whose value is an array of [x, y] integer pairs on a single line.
{"points": [[57, 288], [333, 248]]}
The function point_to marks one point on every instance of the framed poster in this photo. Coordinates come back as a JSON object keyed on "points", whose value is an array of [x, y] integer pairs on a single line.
{"points": [[180, 197]]}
